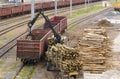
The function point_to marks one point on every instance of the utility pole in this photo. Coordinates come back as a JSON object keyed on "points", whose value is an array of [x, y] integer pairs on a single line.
{"points": [[22, 1], [55, 7], [88, 3], [32, 10], [85, 3], [70, 7], [16, 3]]}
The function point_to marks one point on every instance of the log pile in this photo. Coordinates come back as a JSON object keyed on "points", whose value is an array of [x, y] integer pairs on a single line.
{"points": [[94, 46], [65, 58]]}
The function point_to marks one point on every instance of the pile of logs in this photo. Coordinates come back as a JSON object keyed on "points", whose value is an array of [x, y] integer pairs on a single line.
{"points": [[65, 58], [94, 46]]}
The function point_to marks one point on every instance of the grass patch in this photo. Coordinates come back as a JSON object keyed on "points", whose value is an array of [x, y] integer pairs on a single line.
{"points": [[14, 67], [83, 12], [71, 26], [3, 1], [25, 72], [114, 2], [33, 73], [2, 41], [86, 11], [1, 62]]}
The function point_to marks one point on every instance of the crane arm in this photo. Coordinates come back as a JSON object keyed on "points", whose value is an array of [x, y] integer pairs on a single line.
{"points": [[56, 35], [31, 23]]}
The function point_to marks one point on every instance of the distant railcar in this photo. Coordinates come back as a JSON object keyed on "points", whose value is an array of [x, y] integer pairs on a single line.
{"points": [[26, 7]]}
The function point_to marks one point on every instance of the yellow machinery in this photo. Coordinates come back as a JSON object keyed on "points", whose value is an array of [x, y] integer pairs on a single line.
{"points": [[117, 7]]}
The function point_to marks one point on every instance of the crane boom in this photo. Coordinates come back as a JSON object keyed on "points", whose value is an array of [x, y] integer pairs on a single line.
{"points": [[31, 23]]}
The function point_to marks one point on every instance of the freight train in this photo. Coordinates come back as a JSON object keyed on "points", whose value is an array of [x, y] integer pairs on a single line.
{"points": [[26, 8], [31, 50]]}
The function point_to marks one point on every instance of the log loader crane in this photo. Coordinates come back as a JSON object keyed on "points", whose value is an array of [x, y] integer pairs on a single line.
{"points": [[31, 23], [50, 66]]}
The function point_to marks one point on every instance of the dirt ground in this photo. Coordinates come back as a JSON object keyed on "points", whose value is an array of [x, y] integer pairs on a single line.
{"points": [[75, 34], [113, 32]]}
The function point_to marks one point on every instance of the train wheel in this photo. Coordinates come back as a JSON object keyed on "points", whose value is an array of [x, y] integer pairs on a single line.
{"points": [[50, 66]]}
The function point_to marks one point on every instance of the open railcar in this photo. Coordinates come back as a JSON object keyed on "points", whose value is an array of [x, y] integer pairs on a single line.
{"points": [[33, 50]]}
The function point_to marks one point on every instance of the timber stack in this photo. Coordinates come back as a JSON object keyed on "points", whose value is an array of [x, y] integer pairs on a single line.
{"points": [[94, 45], [67, 59]]}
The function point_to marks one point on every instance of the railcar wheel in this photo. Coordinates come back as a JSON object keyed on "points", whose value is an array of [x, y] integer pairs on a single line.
{"points": [[50, 66]]}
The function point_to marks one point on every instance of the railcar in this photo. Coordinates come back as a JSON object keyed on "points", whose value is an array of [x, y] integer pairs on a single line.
{"points": [[26, 8], [33, 50]]}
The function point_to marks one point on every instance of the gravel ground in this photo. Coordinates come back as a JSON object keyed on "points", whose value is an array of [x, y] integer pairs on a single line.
{"points": [[9, 65]]}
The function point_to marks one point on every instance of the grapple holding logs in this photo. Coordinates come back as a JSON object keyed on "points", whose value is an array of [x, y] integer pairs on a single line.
{"points": [[65, 58]]}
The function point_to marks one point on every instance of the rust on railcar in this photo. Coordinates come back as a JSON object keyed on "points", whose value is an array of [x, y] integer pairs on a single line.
{"points": [[16, 9], [5, 11], [33, 49], [61, 20]]}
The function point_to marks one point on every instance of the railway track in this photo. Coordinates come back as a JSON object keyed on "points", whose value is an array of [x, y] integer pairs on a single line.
{"points": [[75, 21], [22, 69], [9, 45], [12, 43], [8, 29], [8, 21], [19, 70], [82, 19]]}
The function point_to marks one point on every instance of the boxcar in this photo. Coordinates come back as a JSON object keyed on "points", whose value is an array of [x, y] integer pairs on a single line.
{"points": [[16, 9], [5, 11], [46, 5], [38, 6], [26, 7]]}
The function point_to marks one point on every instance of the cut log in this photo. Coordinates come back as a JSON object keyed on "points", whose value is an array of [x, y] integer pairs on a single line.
{"points": [[94, 46], [66, 58]]}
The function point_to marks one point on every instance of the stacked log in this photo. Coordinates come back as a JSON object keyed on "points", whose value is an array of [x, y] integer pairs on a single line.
{"points": [[65, 58], [51, 41], [94, 46]]}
